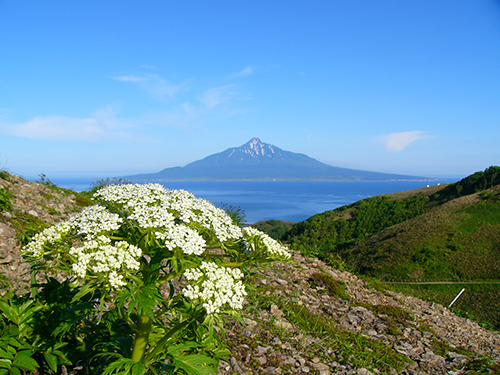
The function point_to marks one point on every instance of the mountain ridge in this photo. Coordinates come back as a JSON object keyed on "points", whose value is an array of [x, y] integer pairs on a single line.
{"points": [[259, 161]]}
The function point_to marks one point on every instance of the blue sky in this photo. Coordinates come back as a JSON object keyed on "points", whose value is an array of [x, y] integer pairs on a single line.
{"points": [[108, 88]]}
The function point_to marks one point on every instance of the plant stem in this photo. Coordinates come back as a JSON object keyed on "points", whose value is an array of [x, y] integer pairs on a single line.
{"points": [[141, 337], [34, 288]]}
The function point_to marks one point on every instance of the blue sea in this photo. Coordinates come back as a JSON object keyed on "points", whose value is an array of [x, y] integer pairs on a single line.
{"points": [[290, 201]]}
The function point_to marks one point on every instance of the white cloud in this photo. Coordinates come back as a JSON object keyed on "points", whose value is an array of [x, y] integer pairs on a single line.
{"points": [[102, 125], [153, 84], [200, 109], [243, 73], [148, 66], [58, 128], [217, 96], [396, 142], [134, 79]]}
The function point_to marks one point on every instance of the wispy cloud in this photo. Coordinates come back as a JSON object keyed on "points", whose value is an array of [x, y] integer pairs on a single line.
{"points": [[100, 126], [148, 66], [198, 108], [134, 79], [153, 84], [396, 142], [243, 73], [217, 96]]}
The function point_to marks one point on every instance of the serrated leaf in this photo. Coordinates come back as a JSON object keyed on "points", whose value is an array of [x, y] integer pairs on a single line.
{"points": [[13, 342], [51, 361], [6, 354], [5, 363], [139, 368], [197, 364], [119, 364], [86, 288], [145, 299], [24, 361], [9, 312], [60, 345]]}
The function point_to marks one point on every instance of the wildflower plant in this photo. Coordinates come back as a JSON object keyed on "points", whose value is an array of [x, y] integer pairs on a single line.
{"points": [[149, 274]]}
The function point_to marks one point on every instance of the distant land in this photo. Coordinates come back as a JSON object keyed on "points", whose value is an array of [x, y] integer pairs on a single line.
{"points": [[258, 161]]}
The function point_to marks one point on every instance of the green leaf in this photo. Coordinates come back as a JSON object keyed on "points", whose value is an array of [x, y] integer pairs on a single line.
{"points": [[193, 364], [9, 312], [6, 355], [51, 361], [139, 368], [14, 343], [197, 364], [86, 288], [5, 363], [24, 361], [3, 371], [119, 364], [14, 371], [145, 299]]}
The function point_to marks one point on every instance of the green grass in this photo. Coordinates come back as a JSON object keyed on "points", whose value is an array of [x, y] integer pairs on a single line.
{"points": [[83, 201], [347, 346], [479, 302], [27, 226], [5, 204], [335, 288], [274, 228], [487, 213], [4, 175]]}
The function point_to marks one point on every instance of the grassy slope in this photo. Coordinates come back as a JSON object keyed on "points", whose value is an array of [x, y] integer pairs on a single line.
{"points": [[458, 240], [447, 232], [452, 232]]}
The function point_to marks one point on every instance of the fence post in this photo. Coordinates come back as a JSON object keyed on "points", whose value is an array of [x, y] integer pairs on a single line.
{"points": [[459, 294]]}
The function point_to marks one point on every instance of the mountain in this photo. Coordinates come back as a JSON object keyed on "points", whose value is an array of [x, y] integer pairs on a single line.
{"points": [[260, 161]]}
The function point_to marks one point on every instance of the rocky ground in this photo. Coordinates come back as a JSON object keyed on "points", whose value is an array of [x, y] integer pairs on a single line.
{"points": [[430, 338], [34, 206], [302, 317]]}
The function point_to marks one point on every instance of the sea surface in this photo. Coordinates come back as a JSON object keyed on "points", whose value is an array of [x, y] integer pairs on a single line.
{"points": [[289, 201]]}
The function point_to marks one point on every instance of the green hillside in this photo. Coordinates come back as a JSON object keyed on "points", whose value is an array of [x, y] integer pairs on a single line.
{"points": [[447, 233], [458, 240]]}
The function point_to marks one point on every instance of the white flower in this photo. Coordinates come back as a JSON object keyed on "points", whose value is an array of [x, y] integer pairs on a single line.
{"points": [[273, 247], [185, 238], [99, 256], [49, 236], [95, 220], [215, 286], [153, 206]]}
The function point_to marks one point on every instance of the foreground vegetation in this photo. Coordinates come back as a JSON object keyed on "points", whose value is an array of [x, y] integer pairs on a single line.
{"points": [[140, 282]]}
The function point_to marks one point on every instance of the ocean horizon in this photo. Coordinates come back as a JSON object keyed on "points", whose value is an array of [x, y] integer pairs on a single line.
{"points": [[280, 200]]}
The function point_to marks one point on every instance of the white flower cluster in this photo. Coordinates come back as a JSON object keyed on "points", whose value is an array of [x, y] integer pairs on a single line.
{"points": [[203, 212], [48, 236], [214, 286], [95, 220], [185, 238], [99, 255], [172, 212], [131, 195], [274, 248]]}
